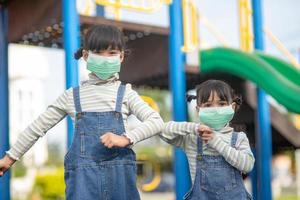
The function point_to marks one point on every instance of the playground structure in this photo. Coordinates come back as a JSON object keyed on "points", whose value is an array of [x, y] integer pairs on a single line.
{"points": [[255, 67]]}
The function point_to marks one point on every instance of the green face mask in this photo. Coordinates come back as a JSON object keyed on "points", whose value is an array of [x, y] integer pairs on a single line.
{"points": [[103, 66], [216, 117]]}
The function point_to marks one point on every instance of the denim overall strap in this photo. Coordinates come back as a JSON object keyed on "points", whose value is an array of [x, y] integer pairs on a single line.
{"points": [[233, 138], [76, 98], [199, 146], [120, 95]]}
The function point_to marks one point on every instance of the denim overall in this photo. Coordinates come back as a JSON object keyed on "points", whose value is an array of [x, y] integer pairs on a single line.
{"points": [[92, 171], [216, 179]]}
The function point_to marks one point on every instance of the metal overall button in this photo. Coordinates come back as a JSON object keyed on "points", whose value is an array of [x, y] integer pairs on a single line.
{"points": [[199, 157]]}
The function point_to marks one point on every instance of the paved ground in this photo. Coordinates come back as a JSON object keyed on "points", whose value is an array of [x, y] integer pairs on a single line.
{"points": [[157, 196]]}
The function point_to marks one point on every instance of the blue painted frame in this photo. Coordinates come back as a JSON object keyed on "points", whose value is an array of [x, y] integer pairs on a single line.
{"points": [[178, 88], [71, 36], [263, 133], [4, 105]]}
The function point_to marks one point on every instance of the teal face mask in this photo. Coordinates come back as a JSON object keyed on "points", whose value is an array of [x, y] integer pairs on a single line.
{"points": [[216, 117], [103, 66]]}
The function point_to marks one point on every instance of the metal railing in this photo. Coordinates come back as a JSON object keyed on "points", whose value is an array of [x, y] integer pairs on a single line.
{"points": [[246, 32], [145, 6], [280, 46], [190, 26]]}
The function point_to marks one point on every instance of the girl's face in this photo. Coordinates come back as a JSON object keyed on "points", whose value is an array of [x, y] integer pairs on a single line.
{"points": [[215, 112], [214, 101], [106, 53]]}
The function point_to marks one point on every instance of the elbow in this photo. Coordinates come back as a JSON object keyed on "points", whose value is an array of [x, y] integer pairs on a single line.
{"points": [[157, 121], [250, 165]]}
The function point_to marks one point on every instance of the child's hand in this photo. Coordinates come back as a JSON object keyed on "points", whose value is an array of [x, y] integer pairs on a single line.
{"points": [[205, 133], [113, 140], [5, 163]]}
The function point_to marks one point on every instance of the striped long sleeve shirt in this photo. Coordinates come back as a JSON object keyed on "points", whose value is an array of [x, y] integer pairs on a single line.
{"points": [[184, 135], [96, 95]]}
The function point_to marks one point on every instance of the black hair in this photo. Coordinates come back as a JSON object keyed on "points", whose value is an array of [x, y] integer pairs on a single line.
{"points": [[222, 89], [102, 37]]}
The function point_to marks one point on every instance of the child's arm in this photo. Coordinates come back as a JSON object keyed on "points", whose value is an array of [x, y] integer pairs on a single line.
{"points": [[240, 157], [174, 132], [152, 123], [38, 128]]}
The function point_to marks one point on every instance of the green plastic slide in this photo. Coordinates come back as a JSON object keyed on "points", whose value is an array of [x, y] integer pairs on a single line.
{"points": [[276, 77]]}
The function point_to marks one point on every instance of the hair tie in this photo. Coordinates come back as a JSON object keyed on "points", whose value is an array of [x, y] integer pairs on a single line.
{"points": [[78, 53], [189, 98], [238, 100]]}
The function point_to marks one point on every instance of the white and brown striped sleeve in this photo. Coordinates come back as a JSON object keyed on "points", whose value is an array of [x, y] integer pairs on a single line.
{"points": [[38, 128], [240, 157], [174, 132]]}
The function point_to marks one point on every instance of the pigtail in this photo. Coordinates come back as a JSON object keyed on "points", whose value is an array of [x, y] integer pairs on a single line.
{"points": [[189, 98], [238, 99], [78, 53], [236, 125], [127, 52]]}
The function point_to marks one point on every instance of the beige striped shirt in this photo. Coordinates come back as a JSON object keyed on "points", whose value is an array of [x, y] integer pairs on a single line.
{"points": [[96, 95], [184, 135]]}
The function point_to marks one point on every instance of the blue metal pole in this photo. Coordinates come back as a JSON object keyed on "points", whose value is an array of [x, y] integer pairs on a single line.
{"points": [[4, 111], [178, 89], [263, 135], [253, 177], [71, 36], [100, 11]]}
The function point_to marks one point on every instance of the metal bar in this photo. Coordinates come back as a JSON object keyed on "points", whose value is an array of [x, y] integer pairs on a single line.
{"points": [[71, 36], [178, 88], [280, 46], [253, 177], [246, 44], [134, 7], [245, 16], [213, 29], [4, 110], [99, 10], [263, 134]]}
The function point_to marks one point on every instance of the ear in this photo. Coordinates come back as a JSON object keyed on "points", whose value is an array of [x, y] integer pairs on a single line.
{"points": [[197, 108], [85, 54], [122, 56], [233, 105]]}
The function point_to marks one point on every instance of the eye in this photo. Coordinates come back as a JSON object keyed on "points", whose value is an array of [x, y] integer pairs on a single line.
{"points": [[112, 53], [223, 103], [206, 105]]}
